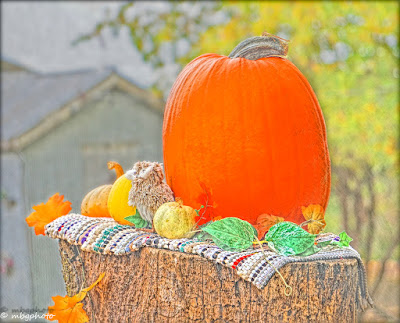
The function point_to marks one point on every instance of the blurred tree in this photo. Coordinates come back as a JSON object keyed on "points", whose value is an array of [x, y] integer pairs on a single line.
{"points": [[163, 33], [349, 52]]}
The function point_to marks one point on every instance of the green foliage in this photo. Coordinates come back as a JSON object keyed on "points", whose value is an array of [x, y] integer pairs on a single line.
{"points": [[231, 233], [198, 211], [203, 235], [310, 251], [344, 240], [163, 33], [288, 239], [138, 221]]}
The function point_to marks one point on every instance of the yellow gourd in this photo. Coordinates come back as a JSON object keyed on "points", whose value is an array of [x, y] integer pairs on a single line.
{"points": [[118, 201], [94, 204], [173, 220]]}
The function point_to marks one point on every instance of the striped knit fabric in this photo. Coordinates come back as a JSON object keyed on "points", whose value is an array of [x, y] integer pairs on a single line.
{"points": [[104, 235]]}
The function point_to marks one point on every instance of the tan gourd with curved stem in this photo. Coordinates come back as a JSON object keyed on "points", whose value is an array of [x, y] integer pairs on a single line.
{"points": [[95, 202]]}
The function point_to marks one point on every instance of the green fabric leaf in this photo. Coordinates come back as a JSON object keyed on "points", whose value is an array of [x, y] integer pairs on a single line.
{"points": [[202, 235], [323, 244], [344, 240], [198, 211], [288, 239], [138, 221], [231, 234], [315, 248], [310, 251]]}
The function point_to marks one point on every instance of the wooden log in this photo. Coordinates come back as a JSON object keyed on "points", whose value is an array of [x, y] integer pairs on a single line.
{"points": [[158, 285]]}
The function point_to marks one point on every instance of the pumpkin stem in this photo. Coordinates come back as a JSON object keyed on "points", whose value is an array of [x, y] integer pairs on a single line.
{"points": [[118, 168], [258, 47]]}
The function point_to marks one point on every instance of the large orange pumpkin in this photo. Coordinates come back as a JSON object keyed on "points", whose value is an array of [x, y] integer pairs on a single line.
{"points": [[246, 133]]}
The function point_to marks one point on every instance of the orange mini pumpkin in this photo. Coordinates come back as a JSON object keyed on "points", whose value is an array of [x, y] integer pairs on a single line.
{"points": [[95, 202], [249, 128]]}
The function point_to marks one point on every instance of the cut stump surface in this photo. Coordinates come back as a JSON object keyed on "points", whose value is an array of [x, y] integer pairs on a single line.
{"points": [[158, 285]]}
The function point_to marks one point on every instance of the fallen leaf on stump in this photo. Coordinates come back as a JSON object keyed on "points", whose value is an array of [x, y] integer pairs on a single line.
{"points": [[46, 213], [314, 213], [69, 309]]}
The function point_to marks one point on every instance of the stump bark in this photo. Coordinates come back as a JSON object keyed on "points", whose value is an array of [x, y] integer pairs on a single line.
{"points": [[157, 285]]}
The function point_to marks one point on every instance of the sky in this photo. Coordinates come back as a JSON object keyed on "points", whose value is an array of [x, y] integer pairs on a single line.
{"points": [[39, 36]]}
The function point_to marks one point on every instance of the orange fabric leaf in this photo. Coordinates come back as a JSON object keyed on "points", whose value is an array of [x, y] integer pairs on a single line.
{"points": [[68, 309], [265, 222], [315, 214], [206, 199], [45, 213], [96, 211]]}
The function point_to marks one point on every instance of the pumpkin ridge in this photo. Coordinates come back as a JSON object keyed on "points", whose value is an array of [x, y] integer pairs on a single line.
{"points": [[209, 70], [93, 196], [225, 76], [85, 202], [279, 75], [244, 65], [182, 78], [322, 128], [296, 153], [314, 98], [172, 114], [266, 117], [103, 196], [187, 144]]}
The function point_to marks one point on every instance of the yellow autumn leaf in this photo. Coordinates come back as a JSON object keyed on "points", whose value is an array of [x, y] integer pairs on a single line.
{"points": [[314, 213], [68, 309]]}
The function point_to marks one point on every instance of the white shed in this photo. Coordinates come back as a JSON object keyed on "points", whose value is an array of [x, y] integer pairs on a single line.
{"points": [[57, 133]]}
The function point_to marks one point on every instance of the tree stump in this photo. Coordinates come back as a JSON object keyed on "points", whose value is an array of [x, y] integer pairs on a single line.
{"points": [[158, 285]]}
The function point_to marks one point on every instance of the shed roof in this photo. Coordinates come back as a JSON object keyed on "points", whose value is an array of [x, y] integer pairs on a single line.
{"points": [[29, 98], [11, 65]]}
